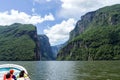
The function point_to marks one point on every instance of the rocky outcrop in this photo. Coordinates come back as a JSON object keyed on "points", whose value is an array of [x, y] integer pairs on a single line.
{"points": [[105, 16], [82, 24], [34, 37], [95, 36], [45, 48]]}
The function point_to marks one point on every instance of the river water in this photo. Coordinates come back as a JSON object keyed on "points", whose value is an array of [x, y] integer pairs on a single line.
{"points": [[71, 70]]}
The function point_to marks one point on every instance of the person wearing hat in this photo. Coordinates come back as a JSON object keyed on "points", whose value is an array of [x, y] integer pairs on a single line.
{"points": [[9, 76], [13, 76]]}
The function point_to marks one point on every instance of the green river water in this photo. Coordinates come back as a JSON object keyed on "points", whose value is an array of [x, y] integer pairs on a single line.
{"points": [[71, 70]]}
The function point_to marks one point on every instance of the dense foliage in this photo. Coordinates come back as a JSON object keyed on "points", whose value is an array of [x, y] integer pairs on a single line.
{"points": [[17, 43], [99, 41]]}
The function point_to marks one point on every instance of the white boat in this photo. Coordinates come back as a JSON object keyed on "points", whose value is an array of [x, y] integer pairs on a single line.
{"points": [[4, 68]]}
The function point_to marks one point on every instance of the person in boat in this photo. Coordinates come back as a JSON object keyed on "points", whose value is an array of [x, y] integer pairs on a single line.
{"points": [[22, 76], [10, 73], [8, 77], [13, 76]]}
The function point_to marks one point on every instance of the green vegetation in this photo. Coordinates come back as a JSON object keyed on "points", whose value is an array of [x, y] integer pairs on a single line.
{"points": [[17, 42], [99, 41], [45, 48]]}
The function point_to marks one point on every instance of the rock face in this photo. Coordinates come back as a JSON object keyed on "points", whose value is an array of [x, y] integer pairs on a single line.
{"points": [[95, 37], [19, 42], [104, 16], [55, 49], [82, 24], [45, 48]]}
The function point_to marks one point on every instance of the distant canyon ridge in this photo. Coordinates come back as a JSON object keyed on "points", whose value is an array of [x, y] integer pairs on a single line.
{"points": [[95, 37]]}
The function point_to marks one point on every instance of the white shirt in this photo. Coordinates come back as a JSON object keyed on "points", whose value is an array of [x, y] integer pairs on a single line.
{"points": [[22, 78]]}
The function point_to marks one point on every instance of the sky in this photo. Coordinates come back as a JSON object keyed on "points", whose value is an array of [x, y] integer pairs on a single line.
{"points": [[54, 18]]}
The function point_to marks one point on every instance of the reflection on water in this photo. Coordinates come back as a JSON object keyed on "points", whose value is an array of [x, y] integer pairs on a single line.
{"points": [[72, 70]]}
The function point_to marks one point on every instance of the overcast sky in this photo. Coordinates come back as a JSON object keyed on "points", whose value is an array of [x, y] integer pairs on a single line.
{"points": [[55, 18]]}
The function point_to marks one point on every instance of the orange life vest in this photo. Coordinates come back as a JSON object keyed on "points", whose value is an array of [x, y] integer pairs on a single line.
{"points": [[4, 78]]}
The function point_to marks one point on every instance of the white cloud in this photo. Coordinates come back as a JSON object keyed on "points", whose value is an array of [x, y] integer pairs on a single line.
{"points": [[41, 1], [76, 8], [48, 0], [14, 16], [60, 32], [33, 10]]}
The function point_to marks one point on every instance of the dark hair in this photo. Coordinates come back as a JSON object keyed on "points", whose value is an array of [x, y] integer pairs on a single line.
{"points": [[22, 73], [8, 75]]}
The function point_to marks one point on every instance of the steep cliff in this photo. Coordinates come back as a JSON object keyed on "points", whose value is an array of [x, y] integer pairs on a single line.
{"points": [[55, 49], [95, 37], [45, 48], [82, 24], [19, 42]]}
